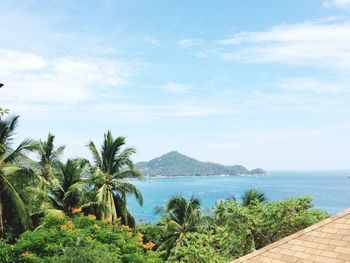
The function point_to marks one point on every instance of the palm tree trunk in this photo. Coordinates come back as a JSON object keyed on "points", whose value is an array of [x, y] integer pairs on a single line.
{"points": [[1, 219], [113, 212]]}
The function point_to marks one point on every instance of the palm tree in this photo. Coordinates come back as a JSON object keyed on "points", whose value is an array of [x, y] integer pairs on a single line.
{"points": [[48, 156], [14, 172], [180, 216], [39, 196], [253, 195], [67, 190], [111, 171]]}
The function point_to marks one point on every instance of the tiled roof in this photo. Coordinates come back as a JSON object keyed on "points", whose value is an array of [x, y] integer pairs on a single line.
{"points": [[326, 241]]}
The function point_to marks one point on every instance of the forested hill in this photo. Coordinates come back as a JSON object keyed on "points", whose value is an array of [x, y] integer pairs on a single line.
{"points": [[177, 164]]}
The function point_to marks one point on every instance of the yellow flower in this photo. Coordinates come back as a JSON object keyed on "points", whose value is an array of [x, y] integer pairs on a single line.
{"points": [[149, 245]]}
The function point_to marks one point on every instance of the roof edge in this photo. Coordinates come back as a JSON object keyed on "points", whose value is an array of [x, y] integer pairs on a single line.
{"points": [[293, 236]]}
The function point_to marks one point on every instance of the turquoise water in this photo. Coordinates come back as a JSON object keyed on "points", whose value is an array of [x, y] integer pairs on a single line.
{"points": [[329, 189]]}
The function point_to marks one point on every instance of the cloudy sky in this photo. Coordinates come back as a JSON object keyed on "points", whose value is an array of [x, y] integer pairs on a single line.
{"points": [[259, 83]]}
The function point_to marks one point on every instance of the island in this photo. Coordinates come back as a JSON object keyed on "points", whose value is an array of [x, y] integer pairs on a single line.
{"points": [[175, 164]]}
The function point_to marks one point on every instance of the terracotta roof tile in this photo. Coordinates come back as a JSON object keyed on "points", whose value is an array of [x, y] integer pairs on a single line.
{"points": [[326, 241]]}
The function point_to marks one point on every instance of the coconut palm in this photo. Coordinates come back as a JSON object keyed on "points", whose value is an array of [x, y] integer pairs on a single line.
{"points": [[253, 195], [111, 170], [39, 196], [14, 172], [48, 155], [67, 190], [180, 216]]}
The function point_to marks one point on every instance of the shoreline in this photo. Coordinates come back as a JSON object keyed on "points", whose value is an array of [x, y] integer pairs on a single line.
{"points": [[199, 176]]}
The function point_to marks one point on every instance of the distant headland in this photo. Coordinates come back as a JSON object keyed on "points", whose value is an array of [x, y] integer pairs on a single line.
{"points": [[175, 164]]}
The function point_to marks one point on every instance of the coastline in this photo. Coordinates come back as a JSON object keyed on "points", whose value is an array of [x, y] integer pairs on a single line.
{"points": [[200, 176]]}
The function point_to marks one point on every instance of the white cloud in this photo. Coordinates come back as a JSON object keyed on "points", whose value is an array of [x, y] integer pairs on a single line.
{"points": [[324, 44], [337, 3], [307, 84], [16, 60], [151, 40], [189, 42], [92, 71], [32, 78], [176, 87], [120, 112]]}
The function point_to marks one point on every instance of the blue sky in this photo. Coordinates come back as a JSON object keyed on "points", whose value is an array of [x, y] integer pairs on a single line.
{"points": [[258, 83]]}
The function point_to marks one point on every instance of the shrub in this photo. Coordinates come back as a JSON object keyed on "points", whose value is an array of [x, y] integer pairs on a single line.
{"points": [[78, 239], [261, 224], [196, 248]]}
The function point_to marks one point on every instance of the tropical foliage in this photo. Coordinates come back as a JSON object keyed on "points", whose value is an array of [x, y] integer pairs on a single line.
{"points": [[77, 211], [234, 228], [48, 156], [78, 239], [252, 196], [68, 188], [112, 167], [13, 171], [180, 217]]}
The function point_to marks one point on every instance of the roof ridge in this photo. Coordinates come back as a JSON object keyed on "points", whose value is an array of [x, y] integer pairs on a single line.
{"points": [[293, 236]]}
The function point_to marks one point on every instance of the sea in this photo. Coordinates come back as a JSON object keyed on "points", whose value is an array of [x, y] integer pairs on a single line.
{"points": [[330, 190]]}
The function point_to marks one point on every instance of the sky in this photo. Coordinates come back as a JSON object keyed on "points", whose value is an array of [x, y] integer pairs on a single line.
{"points": [[258, 83]]}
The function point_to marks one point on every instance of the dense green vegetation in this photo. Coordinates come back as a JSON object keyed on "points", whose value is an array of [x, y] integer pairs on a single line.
{"points": [[78, 239], [177, 164], [76, 210], [231, 231]]}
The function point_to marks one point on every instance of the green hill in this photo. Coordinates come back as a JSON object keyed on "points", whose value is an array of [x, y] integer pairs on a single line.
{"points": [[177, 164]]}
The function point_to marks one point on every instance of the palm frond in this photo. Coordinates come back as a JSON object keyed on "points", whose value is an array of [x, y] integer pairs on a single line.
{"points": [[253, 195], [20, 175], [129, 174], [18, 155], [17, 202], [129, 188], [123, 160], [7, 128], [110, 150], [95, 154], [159, 210]]}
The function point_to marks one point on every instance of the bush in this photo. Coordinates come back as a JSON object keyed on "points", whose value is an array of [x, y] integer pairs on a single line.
{"points": [[152, 233], [78, 239], [196, 248], [241, 229]]}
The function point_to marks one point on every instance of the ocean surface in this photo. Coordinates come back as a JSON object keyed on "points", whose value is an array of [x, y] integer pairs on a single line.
{"points": [[330, 190]]}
